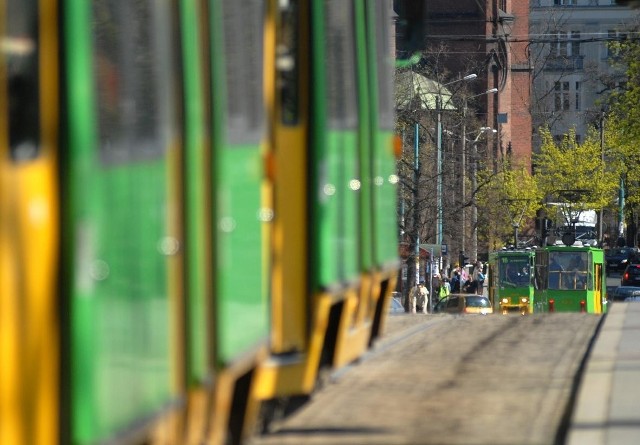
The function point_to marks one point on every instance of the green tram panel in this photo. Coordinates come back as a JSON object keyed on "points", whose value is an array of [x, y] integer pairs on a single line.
{"points": [[117, 193], [238, 172], [336, 184], [383, 178]]}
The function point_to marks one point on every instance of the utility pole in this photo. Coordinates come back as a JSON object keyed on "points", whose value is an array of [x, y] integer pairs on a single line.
{"points": [[439, 168], [474, 186], [463, 175], [439, 107], [601, 216], [416, 213], [474, 206]]}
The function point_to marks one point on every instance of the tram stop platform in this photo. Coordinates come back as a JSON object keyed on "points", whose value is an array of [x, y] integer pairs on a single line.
{"points": [[607, 406]]}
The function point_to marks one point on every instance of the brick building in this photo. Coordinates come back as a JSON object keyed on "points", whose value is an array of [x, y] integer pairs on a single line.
{"points": [[490, 38]]}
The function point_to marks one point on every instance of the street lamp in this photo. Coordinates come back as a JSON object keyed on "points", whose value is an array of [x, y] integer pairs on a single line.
{"points": [[467, 77], [464, 164], [474, 207], [439, 149]]}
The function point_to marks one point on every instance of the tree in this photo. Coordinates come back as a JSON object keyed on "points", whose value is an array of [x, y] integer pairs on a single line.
{"points": [[510, 199], [623, 129], [576, 173], [416, 89], [624, 155]]}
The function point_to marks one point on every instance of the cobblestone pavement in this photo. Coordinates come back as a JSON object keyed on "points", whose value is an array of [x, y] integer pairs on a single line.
{"points": [[442, 379]]}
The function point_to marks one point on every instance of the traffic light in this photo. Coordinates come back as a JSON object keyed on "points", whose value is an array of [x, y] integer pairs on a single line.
{"points": [[463, 259]]}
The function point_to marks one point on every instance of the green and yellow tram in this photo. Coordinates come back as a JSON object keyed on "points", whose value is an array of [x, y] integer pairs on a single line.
{"points": [[570, 279], [510, 281], [197, 211]]}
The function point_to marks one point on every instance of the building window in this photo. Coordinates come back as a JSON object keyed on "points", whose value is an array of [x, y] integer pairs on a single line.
{"points": [[560, 46], [563, 44], [575, 43], [578, 94], [561, 96], [564, 2]]}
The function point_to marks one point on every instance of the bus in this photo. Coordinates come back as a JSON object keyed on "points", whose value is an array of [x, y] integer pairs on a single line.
{"points": [[510, 281], [570, 279]]}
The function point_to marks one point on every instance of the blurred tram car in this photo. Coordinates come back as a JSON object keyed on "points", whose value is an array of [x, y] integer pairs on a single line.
{"points": [[197, 211]]}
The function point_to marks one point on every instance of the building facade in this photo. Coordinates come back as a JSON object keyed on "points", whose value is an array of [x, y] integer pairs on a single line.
{"points": [[488, 38], [572, 69]]}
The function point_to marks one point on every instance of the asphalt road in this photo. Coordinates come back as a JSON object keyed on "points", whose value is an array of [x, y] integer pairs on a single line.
{"points": [[443, 379]]}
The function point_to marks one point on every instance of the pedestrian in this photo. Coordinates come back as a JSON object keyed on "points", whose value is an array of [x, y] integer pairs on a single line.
{"points": [[445, 288], [422, 297], [455, 282], [413, 298], [465, 280], [478, 277]]}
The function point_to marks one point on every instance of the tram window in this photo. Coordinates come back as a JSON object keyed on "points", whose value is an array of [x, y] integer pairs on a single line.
{"points": [[133, 79], [340, 66], [21, 51], [515, 270], [244, 41], [568, 270], [385, 67]]}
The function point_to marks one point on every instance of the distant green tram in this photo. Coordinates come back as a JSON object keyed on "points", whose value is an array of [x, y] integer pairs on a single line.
{"points": [[510, 281], [570, 279]]}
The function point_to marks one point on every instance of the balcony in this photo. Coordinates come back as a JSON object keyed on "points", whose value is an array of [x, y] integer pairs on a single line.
{"points": [[564, 63]]}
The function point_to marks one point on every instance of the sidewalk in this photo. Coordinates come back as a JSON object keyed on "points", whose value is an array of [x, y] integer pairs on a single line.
{"points": [[607, 410]]}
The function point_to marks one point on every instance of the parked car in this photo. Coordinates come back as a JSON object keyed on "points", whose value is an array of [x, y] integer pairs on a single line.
{"points": [[464, 304], [626, 293], [631, 275], [617, 259]]}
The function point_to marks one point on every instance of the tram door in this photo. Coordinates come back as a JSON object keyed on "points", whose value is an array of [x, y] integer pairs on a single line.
{"points": [[492, 272], [597, 288]]}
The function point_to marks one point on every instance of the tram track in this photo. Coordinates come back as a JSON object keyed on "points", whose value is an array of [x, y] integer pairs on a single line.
{"points": [[453, 380]]}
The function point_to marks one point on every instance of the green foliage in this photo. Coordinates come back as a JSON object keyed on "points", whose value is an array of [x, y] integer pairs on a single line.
{"points": [[575, 172], [625, 102], [623, 120], [511, 197]]}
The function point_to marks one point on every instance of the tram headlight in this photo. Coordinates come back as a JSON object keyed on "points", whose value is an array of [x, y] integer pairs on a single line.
{"points": [[505, 301], [524, 300]]}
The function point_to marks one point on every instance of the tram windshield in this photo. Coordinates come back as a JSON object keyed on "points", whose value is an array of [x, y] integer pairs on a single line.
{"points": [[568, 270], [515, 271]]}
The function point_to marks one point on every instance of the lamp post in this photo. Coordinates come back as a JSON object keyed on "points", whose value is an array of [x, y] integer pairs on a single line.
{"points": [[416, 211], [439, 107], [601, 216], [474, 207], [463, 237]]}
